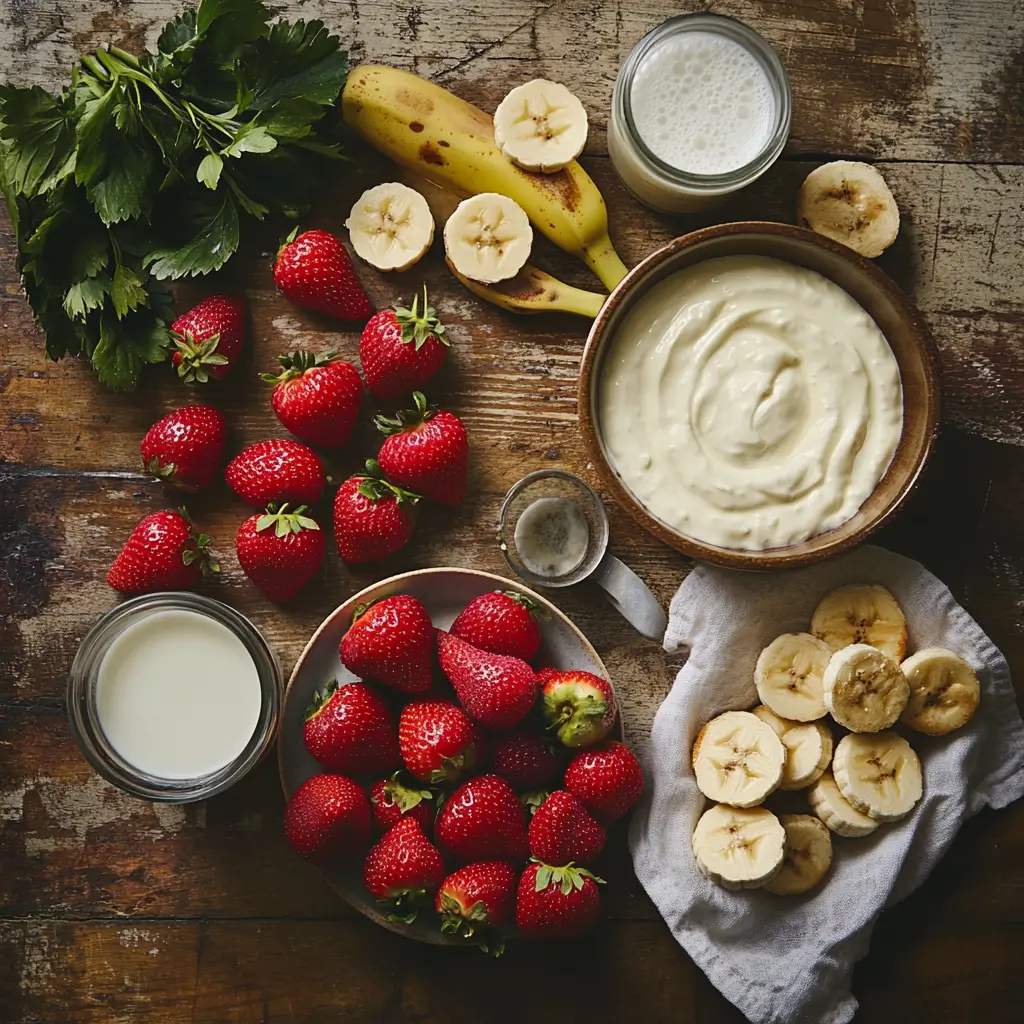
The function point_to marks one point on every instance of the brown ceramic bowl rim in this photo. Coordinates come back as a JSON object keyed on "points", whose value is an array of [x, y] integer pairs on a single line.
{"points": [[772, 558]]}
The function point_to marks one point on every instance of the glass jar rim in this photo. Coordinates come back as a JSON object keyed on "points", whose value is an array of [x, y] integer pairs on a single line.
{"points": [[760, 49], [88, 732]]}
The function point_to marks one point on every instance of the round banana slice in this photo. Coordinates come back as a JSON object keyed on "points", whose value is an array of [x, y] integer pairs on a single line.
{"points": [[738, 759], [807, 855], [808, 748], [390, 226], [788, 676], [835, 810], [879, 775], [861, 614], [488, 238], [738, 848], [864, 688], [540, 126], [944, 691], [849, 202]]}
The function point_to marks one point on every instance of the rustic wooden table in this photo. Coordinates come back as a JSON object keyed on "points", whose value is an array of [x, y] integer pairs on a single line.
{"points": [[115, 910]]}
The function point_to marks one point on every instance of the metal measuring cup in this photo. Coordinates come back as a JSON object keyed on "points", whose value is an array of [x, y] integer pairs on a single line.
{"points": [[628, 593]]}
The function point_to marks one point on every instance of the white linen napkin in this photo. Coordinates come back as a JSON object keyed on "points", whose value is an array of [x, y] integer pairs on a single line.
{"points": [[786, 959]]}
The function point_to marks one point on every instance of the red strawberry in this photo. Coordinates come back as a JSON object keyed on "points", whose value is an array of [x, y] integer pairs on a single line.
{"points": [[401, 349], [607, 780], [403, 870], [208, 338], [483, 820], [561, 831], [314, 270], [496, 690], [316, 397], [276, 470], [438, 742], [556, 902], [476, 899], [425, 450], [349, 729], [391, 642], [186, 448], [525, 759], [162, 553], [578, 706], [502, 622], [391, 801], [544, 674], [371, 517], [280, 551], [328, 819]]}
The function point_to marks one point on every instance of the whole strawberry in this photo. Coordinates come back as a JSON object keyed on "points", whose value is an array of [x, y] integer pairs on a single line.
{"points": [[403, 870], [372, 518], [502, 622], [391, 642], [162, 553], [208, 338], [401, 349], [496, 690], [483, 820], [556, 902], [328, 819], [186, 448], [578, 706], [425, 450], [477, 899], [276, 470], [392, 800], [349, 729], [438, 742], [562, 832], [316, 397], [607, 780], [525, 758], [314, 270], [280, 551]]}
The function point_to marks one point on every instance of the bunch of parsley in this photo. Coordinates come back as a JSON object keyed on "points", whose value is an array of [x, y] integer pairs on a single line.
{"points": [[144, 170]]}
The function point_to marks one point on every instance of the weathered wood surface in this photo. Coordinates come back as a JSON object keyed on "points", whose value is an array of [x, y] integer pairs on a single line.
{"points": [[113, 910]]}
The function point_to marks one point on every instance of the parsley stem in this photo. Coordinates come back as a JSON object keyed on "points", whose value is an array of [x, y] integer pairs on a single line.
{"points": [[128, 59]]}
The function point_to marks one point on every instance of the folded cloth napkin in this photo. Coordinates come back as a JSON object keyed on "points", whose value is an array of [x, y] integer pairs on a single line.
{"points": [[785, 958]]}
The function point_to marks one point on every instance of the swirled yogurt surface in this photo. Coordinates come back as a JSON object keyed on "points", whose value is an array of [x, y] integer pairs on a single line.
{"points": [[750, 403]]}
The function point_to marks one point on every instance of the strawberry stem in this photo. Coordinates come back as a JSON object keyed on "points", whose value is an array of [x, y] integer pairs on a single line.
{"points": [[418, 327], [320, 698], [196, 356], [295, 364], [376, 488], [285, 522], [406, 419]]}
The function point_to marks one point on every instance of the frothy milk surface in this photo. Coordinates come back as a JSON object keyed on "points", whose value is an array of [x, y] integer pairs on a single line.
{"points": [[702, 103], [178, 695]]}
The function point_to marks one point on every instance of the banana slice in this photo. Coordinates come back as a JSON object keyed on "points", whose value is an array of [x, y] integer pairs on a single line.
{"points": [[806, 858], [864, 688], [738, 759], [835, 810], [849, 202], [861, 614], [879, 775], [944, 691], [540, 126], [488, 238], [738, 848], [788, 676], [808, 748], [390, 226]]}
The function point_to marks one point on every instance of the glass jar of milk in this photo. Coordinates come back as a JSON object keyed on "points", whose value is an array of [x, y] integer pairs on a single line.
{"points": [[701, 108]]}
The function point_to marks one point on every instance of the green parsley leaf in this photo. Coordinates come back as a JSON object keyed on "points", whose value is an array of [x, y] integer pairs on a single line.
{"points": [[127, 291], [209, 170], [85, 296], [251, 138], [37, 139], [213, 237], [125, 346], [297, 60]]}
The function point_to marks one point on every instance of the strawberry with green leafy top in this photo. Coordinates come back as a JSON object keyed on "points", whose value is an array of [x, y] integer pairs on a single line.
{"points": [[578, 707], [328, 819], [349, 729], [557, 902], [438, 742], [483, 820], [391, 800], [372, 518], [185, 448], [502, 622], [607, 780], [276, 470], [477, 899], [208, 339], [562, 832], [280, 551], [403, 870], [391, 642], [162, 553], [314, 270]]}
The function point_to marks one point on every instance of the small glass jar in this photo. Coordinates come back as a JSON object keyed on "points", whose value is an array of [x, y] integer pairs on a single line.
{"points": [[651, 179], [84, 715]]}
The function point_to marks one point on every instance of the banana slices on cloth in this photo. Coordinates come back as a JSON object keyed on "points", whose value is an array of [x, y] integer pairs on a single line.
{"points": [[830, 731]]}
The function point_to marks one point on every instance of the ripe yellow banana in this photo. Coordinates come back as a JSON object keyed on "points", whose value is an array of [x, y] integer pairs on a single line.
{"points": [[533, 291], [449, 141]]}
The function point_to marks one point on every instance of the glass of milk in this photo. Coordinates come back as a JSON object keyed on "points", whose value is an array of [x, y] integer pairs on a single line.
{"points": [[701, 108], [173, 697]]}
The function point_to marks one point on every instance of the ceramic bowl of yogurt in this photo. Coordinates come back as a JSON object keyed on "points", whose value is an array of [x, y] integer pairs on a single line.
{"points": [[758, 396]]}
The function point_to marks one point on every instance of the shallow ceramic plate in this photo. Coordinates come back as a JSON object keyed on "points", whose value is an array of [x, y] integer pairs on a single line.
{"points": [[444, 593]]}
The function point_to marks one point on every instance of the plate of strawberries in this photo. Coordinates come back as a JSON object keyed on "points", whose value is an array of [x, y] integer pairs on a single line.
{"points": [[451, 753]]}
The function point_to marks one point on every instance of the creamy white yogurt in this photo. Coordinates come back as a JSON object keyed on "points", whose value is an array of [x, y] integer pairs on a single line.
{"points": [[750, 403]]}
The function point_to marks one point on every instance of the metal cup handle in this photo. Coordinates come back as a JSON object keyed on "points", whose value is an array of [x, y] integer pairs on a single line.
{"points": [[631, 597]]}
